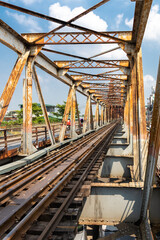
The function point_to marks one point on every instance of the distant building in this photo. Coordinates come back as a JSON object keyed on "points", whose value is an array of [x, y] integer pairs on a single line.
{"points": [[10, 116], [149, 106], [50, 108]]}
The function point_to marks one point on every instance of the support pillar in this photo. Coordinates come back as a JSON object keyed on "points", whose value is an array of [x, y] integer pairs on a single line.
{"points": [[27, 146], [108, 114], [127, 115], [102, 115], [134, 119], [97, 116], [73, 112], [105, 115], [141, 114], [72, 105], [88, 117], [111, 113]]}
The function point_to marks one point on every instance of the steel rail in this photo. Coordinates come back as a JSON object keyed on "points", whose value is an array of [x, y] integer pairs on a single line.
{"points": [[41, 168], [41, 206], [9, 220], [54, 153], [51, 226]]}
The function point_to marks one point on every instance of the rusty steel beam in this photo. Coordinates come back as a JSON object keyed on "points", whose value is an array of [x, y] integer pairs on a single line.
{"points": [[88, 117], [66, 115], [99, 78], [27, 146], [97, 120], [73, 112], [141, 15], [153, 152], [12, 39], [102, 116], [43, 106], [12, 83], [93, 64], [86, 37]]}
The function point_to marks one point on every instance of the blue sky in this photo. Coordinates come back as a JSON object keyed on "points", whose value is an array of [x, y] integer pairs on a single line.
{"points": [[114, 15]]}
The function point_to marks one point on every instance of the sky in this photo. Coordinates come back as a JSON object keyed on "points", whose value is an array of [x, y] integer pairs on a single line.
{"points": [[115, 15]]}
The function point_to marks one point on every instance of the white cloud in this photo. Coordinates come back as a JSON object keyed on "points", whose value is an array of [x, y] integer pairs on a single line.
{"points": [[91, 20], [129, 23], [149, 81], [153, 26], [28, 2], [26, 21], [152, 31], [119, 18]]}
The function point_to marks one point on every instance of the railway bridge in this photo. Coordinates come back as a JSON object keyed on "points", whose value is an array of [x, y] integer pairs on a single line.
{"points": [[103, 181]]}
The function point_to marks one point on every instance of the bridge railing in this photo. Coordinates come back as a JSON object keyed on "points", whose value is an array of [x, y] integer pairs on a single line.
{"points": [[12, 136]]}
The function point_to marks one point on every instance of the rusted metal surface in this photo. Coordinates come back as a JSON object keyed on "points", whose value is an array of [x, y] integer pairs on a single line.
{"points": [[120, 95], [11, 84], [97, 120], [27, 147], [93, 64], [85, 37], [88, 117], [142, 10], [153, 151]]}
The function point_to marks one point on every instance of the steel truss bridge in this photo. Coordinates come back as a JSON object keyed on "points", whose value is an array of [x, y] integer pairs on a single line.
{"points": [[105, 174]]}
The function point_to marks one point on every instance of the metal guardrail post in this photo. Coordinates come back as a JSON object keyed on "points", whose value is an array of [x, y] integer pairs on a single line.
{"points": [[45, 135], [5, 139], [36, 136]]}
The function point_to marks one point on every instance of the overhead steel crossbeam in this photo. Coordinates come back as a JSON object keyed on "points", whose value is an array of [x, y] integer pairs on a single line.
{"points": [[93, 64], [99, 78], [87, 37], [141, 15]]}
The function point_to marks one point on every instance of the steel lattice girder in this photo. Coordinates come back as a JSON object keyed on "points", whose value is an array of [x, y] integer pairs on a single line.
{"points": [[78, 37]]}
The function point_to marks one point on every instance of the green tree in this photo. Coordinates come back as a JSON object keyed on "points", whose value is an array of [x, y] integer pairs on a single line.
{"points": [[60, 109], [36, 113]]}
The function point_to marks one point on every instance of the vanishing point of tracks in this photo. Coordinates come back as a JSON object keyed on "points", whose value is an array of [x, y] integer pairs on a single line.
{"points": [[35, 199]]}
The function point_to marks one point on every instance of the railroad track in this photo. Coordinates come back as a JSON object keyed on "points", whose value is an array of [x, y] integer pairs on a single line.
{"points": [[27, 195]]}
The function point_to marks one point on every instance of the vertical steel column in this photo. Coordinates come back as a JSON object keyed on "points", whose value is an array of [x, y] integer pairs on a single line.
{"points": [[105, 115], [134, 119], [11, 84], [111, 113], [43, 106], [73, 112], [108, 114], [153, 151], [102, 115], [27, 146], [141, 112], [65, 116], [127, 115], [88, 117], [97, 116], [79, 123]]}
